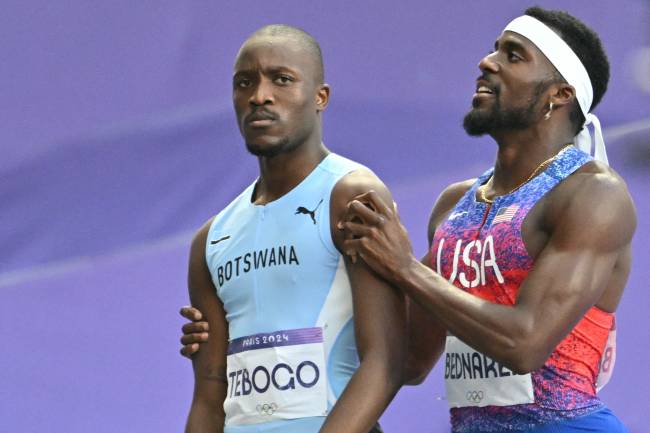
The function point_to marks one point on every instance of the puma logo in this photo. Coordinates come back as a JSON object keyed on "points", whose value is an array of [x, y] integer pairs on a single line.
{"points": [[311, 213]]}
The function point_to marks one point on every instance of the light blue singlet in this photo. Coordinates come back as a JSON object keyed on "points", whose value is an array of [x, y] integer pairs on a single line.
{"points": [[284, 286]]}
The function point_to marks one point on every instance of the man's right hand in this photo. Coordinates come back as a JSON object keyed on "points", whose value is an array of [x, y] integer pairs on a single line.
{"points": [[194, 332]]}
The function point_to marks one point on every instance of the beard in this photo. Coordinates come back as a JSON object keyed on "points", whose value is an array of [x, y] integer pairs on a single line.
{"points": [[284, 145], [479, 122], [280, 145]]}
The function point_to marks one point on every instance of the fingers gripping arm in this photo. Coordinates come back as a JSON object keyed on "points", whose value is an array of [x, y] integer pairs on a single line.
{"points": [[194, 332]]}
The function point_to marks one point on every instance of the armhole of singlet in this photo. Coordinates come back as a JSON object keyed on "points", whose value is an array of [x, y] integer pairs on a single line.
{"points": [[205, 249], [324, 229], [213, 223], [555, 182], [324, 223]]}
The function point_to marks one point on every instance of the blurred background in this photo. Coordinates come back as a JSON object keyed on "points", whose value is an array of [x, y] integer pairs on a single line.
{"points": [[118, 140]]}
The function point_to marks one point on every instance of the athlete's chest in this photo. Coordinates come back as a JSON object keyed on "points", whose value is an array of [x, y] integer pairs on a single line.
{"points": [[480, 248], [260, 248]]}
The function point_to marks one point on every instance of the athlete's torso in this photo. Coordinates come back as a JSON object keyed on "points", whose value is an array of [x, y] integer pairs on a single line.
{"points": [[284, 289], [480, 249]]}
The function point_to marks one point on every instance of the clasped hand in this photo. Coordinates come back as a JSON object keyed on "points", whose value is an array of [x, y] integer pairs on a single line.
{"points": [[374, 233]]}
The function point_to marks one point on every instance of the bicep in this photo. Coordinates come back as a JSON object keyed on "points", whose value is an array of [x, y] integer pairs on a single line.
{"points": [[572, 271], [379, 313], [372, 297], [564, 283]]}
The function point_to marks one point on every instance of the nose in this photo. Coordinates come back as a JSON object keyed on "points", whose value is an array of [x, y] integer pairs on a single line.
{"points": [[262, 93], [488, 64]]}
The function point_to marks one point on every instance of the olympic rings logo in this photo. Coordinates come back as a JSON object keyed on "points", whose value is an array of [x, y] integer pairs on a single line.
{"points": [[266, 408], [474, 396]]}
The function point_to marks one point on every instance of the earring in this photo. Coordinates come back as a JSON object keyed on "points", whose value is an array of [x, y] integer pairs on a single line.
{"points": [[548, 113]]}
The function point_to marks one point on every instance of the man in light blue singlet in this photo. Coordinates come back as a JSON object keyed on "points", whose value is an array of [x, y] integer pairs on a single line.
{"points": [[294, 343]]}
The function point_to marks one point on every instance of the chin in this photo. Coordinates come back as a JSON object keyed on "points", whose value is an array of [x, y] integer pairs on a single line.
{"points": [[477, 123], [267, 151], [267, 147]]}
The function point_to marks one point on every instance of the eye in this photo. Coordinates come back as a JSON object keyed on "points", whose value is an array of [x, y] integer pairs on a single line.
{"points": [[283, 79], [514, 57], [242, 82]]}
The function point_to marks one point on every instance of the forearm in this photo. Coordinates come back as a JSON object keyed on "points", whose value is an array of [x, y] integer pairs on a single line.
{"points": [[365, 397], [204, 417], [499, 331]]}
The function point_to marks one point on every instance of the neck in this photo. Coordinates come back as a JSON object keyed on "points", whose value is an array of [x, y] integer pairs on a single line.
{"points": [[521, 152], [281, 173]]}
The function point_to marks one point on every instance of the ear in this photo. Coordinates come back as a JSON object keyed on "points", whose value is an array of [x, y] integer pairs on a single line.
{"points": [[562, 94], [322, 97]]}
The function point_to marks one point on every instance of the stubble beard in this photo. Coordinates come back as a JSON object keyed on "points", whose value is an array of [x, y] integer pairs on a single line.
{"points": [[480, 122], [477, 122], [284, 145]]}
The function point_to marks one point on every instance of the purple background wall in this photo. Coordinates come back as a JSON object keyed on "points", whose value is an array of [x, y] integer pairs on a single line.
{"points": [[117, 140]]}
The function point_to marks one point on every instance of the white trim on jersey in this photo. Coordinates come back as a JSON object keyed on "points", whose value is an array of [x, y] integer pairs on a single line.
{"points": [[335, 314]]}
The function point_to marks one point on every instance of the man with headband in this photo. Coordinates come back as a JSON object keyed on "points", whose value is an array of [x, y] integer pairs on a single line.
{"points": [[528, 262]]}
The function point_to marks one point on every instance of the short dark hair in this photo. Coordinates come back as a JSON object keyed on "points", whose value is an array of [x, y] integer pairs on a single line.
{"points": [[587, 46], [307, 41]]}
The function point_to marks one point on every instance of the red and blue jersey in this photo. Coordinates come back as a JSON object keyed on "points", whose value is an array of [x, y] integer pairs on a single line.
{"points": [[479, 249]]}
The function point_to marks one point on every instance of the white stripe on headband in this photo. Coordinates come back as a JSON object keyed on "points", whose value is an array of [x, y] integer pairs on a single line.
{"points": [[572, 70]]}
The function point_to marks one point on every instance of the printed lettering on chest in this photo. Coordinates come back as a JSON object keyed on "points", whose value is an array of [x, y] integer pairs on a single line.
{"points": [[470, 262], [233, 266]]}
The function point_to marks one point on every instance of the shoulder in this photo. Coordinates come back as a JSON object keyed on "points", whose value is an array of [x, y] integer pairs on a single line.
{"points": [[357, 182], [595, 188], [451, 195], [596, 199], [446, 202], [349, 187], [199, 240]]}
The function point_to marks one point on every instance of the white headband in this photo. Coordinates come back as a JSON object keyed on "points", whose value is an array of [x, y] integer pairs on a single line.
{"points": [[572, 70]]}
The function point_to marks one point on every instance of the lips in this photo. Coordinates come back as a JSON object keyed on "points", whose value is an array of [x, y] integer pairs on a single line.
{"points": [[484, 87], [484, 91]]}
